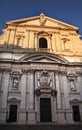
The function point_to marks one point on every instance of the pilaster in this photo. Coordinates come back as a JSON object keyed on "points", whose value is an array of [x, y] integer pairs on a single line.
{"points": [[66, 92], [1, 77], [25, 44], [31, 110], [57, 39], [31, 39], [5, 86], [58, 90], [79, 80], [53, 42], [22, 113], [12, 32]]}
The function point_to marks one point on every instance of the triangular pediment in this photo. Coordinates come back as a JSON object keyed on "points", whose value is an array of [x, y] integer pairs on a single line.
{"points": [[42, 20], [42, 57]]}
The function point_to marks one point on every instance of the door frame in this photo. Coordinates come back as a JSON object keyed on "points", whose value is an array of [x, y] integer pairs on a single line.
{"points": [[11, 110]]}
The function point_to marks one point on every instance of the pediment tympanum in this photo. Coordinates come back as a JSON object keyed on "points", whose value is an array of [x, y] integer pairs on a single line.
{"points": [[41, 20], [43, 57]]}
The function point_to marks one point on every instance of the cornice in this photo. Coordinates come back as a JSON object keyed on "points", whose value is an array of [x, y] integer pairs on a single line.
{"points": [[49, 27]]}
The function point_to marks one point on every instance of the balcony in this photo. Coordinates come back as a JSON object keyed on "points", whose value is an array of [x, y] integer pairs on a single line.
{"points": [[43, 49]]}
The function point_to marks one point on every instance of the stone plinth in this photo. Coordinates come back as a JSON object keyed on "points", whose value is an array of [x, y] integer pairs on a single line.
{"points": [[22, 116], [31, 117]]}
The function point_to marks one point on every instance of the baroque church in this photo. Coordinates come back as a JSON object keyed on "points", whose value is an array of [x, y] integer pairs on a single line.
{"points": [[40, 71]]}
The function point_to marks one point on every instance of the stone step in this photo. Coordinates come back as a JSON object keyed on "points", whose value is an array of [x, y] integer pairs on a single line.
{"points": [[40, 127]]}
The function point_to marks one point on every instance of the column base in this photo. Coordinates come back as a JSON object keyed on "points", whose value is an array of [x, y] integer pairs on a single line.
{"points": [[31, 117], [3, 117], [69, 117]]}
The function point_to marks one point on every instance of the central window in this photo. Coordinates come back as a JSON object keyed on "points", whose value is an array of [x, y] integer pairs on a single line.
{"points": [[42, 43]]}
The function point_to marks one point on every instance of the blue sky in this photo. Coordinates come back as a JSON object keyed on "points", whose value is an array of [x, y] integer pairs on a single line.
{"points": [[68, 11]]}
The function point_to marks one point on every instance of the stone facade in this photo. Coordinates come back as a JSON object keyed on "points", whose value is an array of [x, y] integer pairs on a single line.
{"points": [[40, 71]]}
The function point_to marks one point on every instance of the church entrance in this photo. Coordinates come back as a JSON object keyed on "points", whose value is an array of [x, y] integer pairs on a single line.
{"points": [[13, 113], [45, 110]]}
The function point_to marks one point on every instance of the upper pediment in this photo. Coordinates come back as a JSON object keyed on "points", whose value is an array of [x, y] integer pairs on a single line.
{"points": [[41, 20]]}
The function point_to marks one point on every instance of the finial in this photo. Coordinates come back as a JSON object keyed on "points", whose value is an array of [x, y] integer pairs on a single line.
{"points": [[42, 10]]}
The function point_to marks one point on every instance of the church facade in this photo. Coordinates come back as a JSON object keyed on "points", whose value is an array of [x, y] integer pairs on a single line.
{"points": [[40, 71]]}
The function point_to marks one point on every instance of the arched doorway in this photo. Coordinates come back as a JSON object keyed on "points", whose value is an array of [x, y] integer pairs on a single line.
{"points": [[42, 43]]}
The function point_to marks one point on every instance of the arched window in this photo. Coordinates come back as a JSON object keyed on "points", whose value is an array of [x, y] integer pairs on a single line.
{"points": [[42, 43]]}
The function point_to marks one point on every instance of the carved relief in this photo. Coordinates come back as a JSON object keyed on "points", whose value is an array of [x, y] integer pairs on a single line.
{"points": [[42, 19], [44, 79]]}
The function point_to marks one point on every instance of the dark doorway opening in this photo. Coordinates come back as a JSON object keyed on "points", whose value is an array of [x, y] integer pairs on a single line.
{"points": [[42, 43], [13, 113], [76, 113], [45, 110]]}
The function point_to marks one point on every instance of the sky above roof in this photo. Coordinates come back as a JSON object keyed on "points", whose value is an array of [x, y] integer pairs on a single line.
{"points": [[68, 11]]}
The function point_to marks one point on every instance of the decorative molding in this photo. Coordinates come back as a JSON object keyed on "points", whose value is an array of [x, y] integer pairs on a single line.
{"points": [[44, 79], [46, 90], [15, 74], [72, 76], [14, 99]]}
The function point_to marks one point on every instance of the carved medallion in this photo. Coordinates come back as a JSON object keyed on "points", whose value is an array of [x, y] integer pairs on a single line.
{"points": [[44, 78]]}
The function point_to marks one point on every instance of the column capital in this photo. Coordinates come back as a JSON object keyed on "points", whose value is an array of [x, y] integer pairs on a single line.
{"points": [[24, 71], [7, 70], [60, 72], [79, 73], [31, 71]]}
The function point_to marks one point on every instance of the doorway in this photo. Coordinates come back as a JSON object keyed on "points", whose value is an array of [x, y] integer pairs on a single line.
{"points": [[45, 110], [13, 113], [76, 113]]}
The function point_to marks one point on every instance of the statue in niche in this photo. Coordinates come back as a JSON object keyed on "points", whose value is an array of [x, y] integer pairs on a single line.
{"points": [[72, 85], [15, 82]]}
